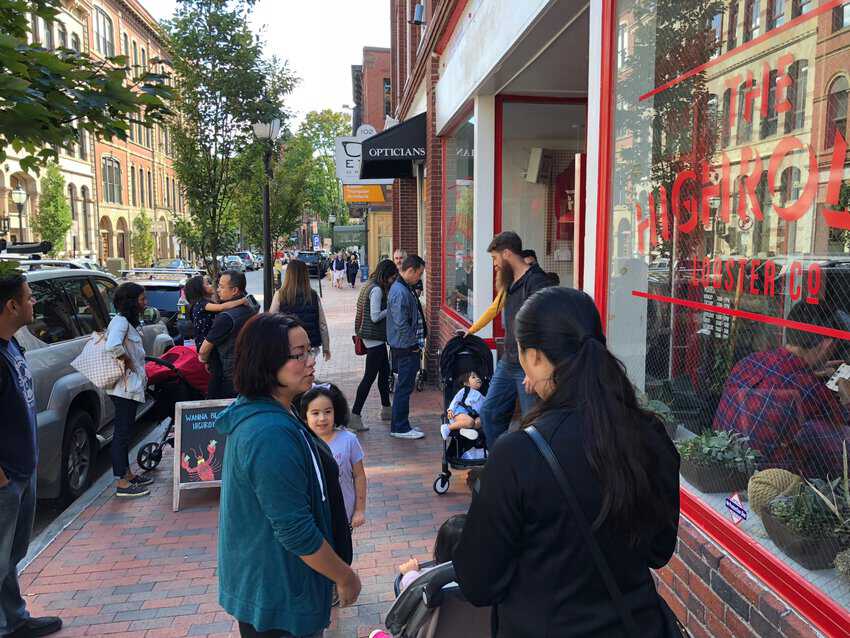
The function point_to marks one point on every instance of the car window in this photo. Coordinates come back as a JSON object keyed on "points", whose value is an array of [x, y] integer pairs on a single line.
{"points": [[83, 300], [106, 288], [53, 315], [162, 297]]}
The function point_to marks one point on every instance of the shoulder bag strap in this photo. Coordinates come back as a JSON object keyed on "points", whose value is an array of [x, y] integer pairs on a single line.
{"points": [[584, 527]]}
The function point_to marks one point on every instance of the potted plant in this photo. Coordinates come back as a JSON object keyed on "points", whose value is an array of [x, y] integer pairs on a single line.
{"points": [[718, 461], [661, 410], [842, 564]]}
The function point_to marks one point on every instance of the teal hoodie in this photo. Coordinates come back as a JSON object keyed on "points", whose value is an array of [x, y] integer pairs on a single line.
{"points": [[274, 509]]}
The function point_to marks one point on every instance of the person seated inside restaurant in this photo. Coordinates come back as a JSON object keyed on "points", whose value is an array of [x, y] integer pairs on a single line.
{"points": [[780, 400]]}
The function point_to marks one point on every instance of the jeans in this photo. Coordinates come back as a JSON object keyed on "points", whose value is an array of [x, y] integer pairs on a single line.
{"points": [[248, 631], [17, 512], [498, 407], [377, 365], [407, 366], [125, 419]]}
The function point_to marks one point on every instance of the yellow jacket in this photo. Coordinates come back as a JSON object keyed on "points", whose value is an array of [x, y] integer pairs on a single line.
{"points": [[489, 314]]}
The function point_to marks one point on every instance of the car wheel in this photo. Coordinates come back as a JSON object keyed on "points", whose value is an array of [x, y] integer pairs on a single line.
{"points": [[78, 454]]}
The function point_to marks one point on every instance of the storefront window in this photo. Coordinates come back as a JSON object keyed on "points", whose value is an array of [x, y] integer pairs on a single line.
{"points": [[729, 300], [540, 143], [458, 255]]}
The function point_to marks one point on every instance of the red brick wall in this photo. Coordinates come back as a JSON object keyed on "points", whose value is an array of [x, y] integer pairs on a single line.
{"points": [[715, 597], [433, 218], [405, 233], [398, 40], [376, 67]]}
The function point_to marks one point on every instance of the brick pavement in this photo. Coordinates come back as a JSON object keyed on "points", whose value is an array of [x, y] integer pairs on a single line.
{"points": [[135, 568]]}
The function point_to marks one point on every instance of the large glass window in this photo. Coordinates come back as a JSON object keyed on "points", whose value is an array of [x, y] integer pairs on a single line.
{"points": [[111, 179], [104, 36], [457, 230], [728, 297]]}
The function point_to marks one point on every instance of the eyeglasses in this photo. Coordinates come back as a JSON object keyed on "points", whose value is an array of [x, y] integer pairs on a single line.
{"points": [[312, 353]]}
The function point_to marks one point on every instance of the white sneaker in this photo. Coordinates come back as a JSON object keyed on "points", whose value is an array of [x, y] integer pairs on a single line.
{"points": [[411, 434], [444, 430], [469, 433]]}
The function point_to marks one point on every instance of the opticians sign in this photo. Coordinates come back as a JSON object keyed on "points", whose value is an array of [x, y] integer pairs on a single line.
{"points": [[348, 154]]}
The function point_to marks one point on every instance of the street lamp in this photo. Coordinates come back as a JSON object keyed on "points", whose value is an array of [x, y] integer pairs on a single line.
{"points": [[267, 132], [332, 221], [19, 197]]}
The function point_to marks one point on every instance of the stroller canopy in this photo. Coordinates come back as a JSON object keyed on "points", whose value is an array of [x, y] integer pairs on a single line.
{"points": [[470, 348]]}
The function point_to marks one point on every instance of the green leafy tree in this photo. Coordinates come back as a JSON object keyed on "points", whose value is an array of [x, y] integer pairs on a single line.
{"points": [[142, 242], [320, 129], [47, 96], [224, 85], [53, 219]]}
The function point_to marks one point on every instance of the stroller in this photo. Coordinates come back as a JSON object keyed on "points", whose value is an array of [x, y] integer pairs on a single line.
{"points": [[176, 376], [433, 606], [461, 355]]}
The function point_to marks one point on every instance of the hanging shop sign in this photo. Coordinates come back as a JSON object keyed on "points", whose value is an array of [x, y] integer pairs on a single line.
{"points": [[391, 154], [363, 194]]}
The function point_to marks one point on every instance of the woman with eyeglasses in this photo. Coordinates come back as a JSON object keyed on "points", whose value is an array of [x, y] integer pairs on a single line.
{"points": [[297, 298], [284, 539], [203, 307]]}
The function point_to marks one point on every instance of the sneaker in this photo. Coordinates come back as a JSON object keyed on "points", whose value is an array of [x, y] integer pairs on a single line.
{"points": [[141, 479], [410, 434], [386, 413], [469, 433], [132, 491], [445, 431], [356, 423], [34, 627], [379, 633]]}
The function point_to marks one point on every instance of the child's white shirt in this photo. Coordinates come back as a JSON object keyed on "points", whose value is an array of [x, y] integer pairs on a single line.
{"points": [[474, 400]]}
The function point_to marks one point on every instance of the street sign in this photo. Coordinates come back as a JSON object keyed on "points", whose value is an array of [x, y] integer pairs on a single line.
{"points": [[198, 446], [317, 242]]}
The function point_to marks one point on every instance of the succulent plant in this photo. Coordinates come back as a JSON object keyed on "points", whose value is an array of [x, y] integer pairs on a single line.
{"points": [[728, 449], [842, 563]]}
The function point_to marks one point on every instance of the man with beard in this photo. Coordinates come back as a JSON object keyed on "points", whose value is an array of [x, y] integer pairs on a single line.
{"points": [[520, 280]]}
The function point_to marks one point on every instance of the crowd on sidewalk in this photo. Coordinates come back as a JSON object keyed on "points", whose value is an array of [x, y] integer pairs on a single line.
{"points": [[294, 477]]}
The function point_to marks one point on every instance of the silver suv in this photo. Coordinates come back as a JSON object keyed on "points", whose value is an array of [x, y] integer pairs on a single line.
{"points": [[74, 417]]}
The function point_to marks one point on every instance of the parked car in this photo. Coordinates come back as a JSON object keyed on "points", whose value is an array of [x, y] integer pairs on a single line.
{"points": [[316, 265], [248, 259], [74, 417], [173, 264], [232, 262]]}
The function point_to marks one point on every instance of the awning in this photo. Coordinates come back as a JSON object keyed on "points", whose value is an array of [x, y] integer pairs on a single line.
{"points": [[390, 154]]}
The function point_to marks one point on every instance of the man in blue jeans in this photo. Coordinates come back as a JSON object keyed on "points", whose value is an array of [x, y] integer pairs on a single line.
{"points": [[18, 460], [405, 336], [521, 280]]}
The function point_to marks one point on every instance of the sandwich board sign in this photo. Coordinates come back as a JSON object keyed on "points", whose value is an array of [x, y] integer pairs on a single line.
{"points": [[198, 446]]}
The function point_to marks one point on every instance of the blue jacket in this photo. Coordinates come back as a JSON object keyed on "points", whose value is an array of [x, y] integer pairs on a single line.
{"points": [[403, 318], [274, 509]]}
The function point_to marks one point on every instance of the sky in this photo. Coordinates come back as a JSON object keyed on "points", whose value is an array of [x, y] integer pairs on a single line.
{"points": [[320, 39]]}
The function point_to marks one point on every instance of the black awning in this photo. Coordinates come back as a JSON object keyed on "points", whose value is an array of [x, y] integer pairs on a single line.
{"points": [[391, 153]]}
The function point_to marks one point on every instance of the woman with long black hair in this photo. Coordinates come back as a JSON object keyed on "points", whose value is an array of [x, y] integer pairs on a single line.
{"points": [[124, 342], [523, 550]]}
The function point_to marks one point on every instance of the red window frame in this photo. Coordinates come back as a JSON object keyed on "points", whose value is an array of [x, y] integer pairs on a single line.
{"points": [[809, 601]]}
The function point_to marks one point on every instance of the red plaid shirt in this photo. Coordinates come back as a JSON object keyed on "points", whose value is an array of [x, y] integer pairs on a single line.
{"points": [[788, 413]]}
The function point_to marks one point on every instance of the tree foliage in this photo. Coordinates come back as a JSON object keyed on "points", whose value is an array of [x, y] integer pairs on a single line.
{"points": [[320, 129], [142, 242], [46, 96], [53, 219], [224, 85]]}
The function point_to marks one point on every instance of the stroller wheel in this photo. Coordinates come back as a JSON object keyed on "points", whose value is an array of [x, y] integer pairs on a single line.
{"points": [[441, 485], [149, 456]]}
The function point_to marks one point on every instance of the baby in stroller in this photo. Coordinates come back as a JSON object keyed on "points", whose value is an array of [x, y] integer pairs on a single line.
{"points": [[463, 412], [429, 603]]}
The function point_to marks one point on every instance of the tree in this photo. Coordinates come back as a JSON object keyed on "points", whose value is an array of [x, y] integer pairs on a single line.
{"points": [[53, 219], [320, 129], [223, 86], [47, 96], [142, 242]]}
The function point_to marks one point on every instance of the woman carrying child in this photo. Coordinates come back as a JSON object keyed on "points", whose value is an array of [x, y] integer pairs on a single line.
{"points": [[202, 306]]}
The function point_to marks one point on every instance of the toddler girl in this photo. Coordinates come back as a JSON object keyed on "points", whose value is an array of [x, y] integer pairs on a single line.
{"points": [[464, 409], [200, 294], [325, 411]]}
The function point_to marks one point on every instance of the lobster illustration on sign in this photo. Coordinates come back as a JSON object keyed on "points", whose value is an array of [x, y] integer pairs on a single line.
{"points": [[205, 468]]}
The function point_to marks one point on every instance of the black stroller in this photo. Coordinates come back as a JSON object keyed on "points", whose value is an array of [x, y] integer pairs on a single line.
{"points": [[433, 606], [459, 356]]}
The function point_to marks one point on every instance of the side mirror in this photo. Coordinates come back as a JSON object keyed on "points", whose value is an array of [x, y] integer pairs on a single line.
{"points": [[150, 315]]}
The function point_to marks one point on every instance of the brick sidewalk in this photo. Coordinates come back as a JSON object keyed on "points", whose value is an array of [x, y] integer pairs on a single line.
{"points": [[135, 568]]}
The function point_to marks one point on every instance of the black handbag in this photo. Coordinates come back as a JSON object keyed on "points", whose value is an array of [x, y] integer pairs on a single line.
{"points": [[674, 627]]}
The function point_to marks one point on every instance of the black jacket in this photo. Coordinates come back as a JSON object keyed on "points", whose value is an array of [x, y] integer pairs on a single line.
{"points": [[307, 311], [533, 280], [522, 552]]}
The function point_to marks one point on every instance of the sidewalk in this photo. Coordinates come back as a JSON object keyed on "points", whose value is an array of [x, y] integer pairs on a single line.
{"points": [[138, 569]]}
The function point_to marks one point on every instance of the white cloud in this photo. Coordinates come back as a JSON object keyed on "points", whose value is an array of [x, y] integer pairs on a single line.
{"points": [[320, 39]]}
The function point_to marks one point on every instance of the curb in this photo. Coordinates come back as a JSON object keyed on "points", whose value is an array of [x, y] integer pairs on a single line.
{"points": [[75, 509]]}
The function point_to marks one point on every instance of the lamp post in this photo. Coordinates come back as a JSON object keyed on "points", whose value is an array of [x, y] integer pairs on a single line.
{"points": [[331, 222], [267, 132], [19, 197]]}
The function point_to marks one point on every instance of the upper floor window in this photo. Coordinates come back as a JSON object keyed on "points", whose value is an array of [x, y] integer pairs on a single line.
{"points": [[62, 35], [745, 120], [799, 7], [125, 48], [836, 110], [622, 44], [775, 13], [841, 16], [715, 25], [104, 37], [34, 30], [75, 42], [732, 26], [726, 126], [144, 60], [135, 55], [49, 40], [133, 185], [84, 151], [752, 19], [770, 120], [111, 168], [796, 117]]}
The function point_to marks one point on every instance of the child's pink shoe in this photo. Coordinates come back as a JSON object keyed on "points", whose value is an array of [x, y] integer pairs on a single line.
{"points": [[379, 633]]}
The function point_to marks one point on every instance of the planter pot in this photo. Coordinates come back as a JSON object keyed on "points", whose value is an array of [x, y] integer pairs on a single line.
{"points": [[716, 478], [811, 553]]}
